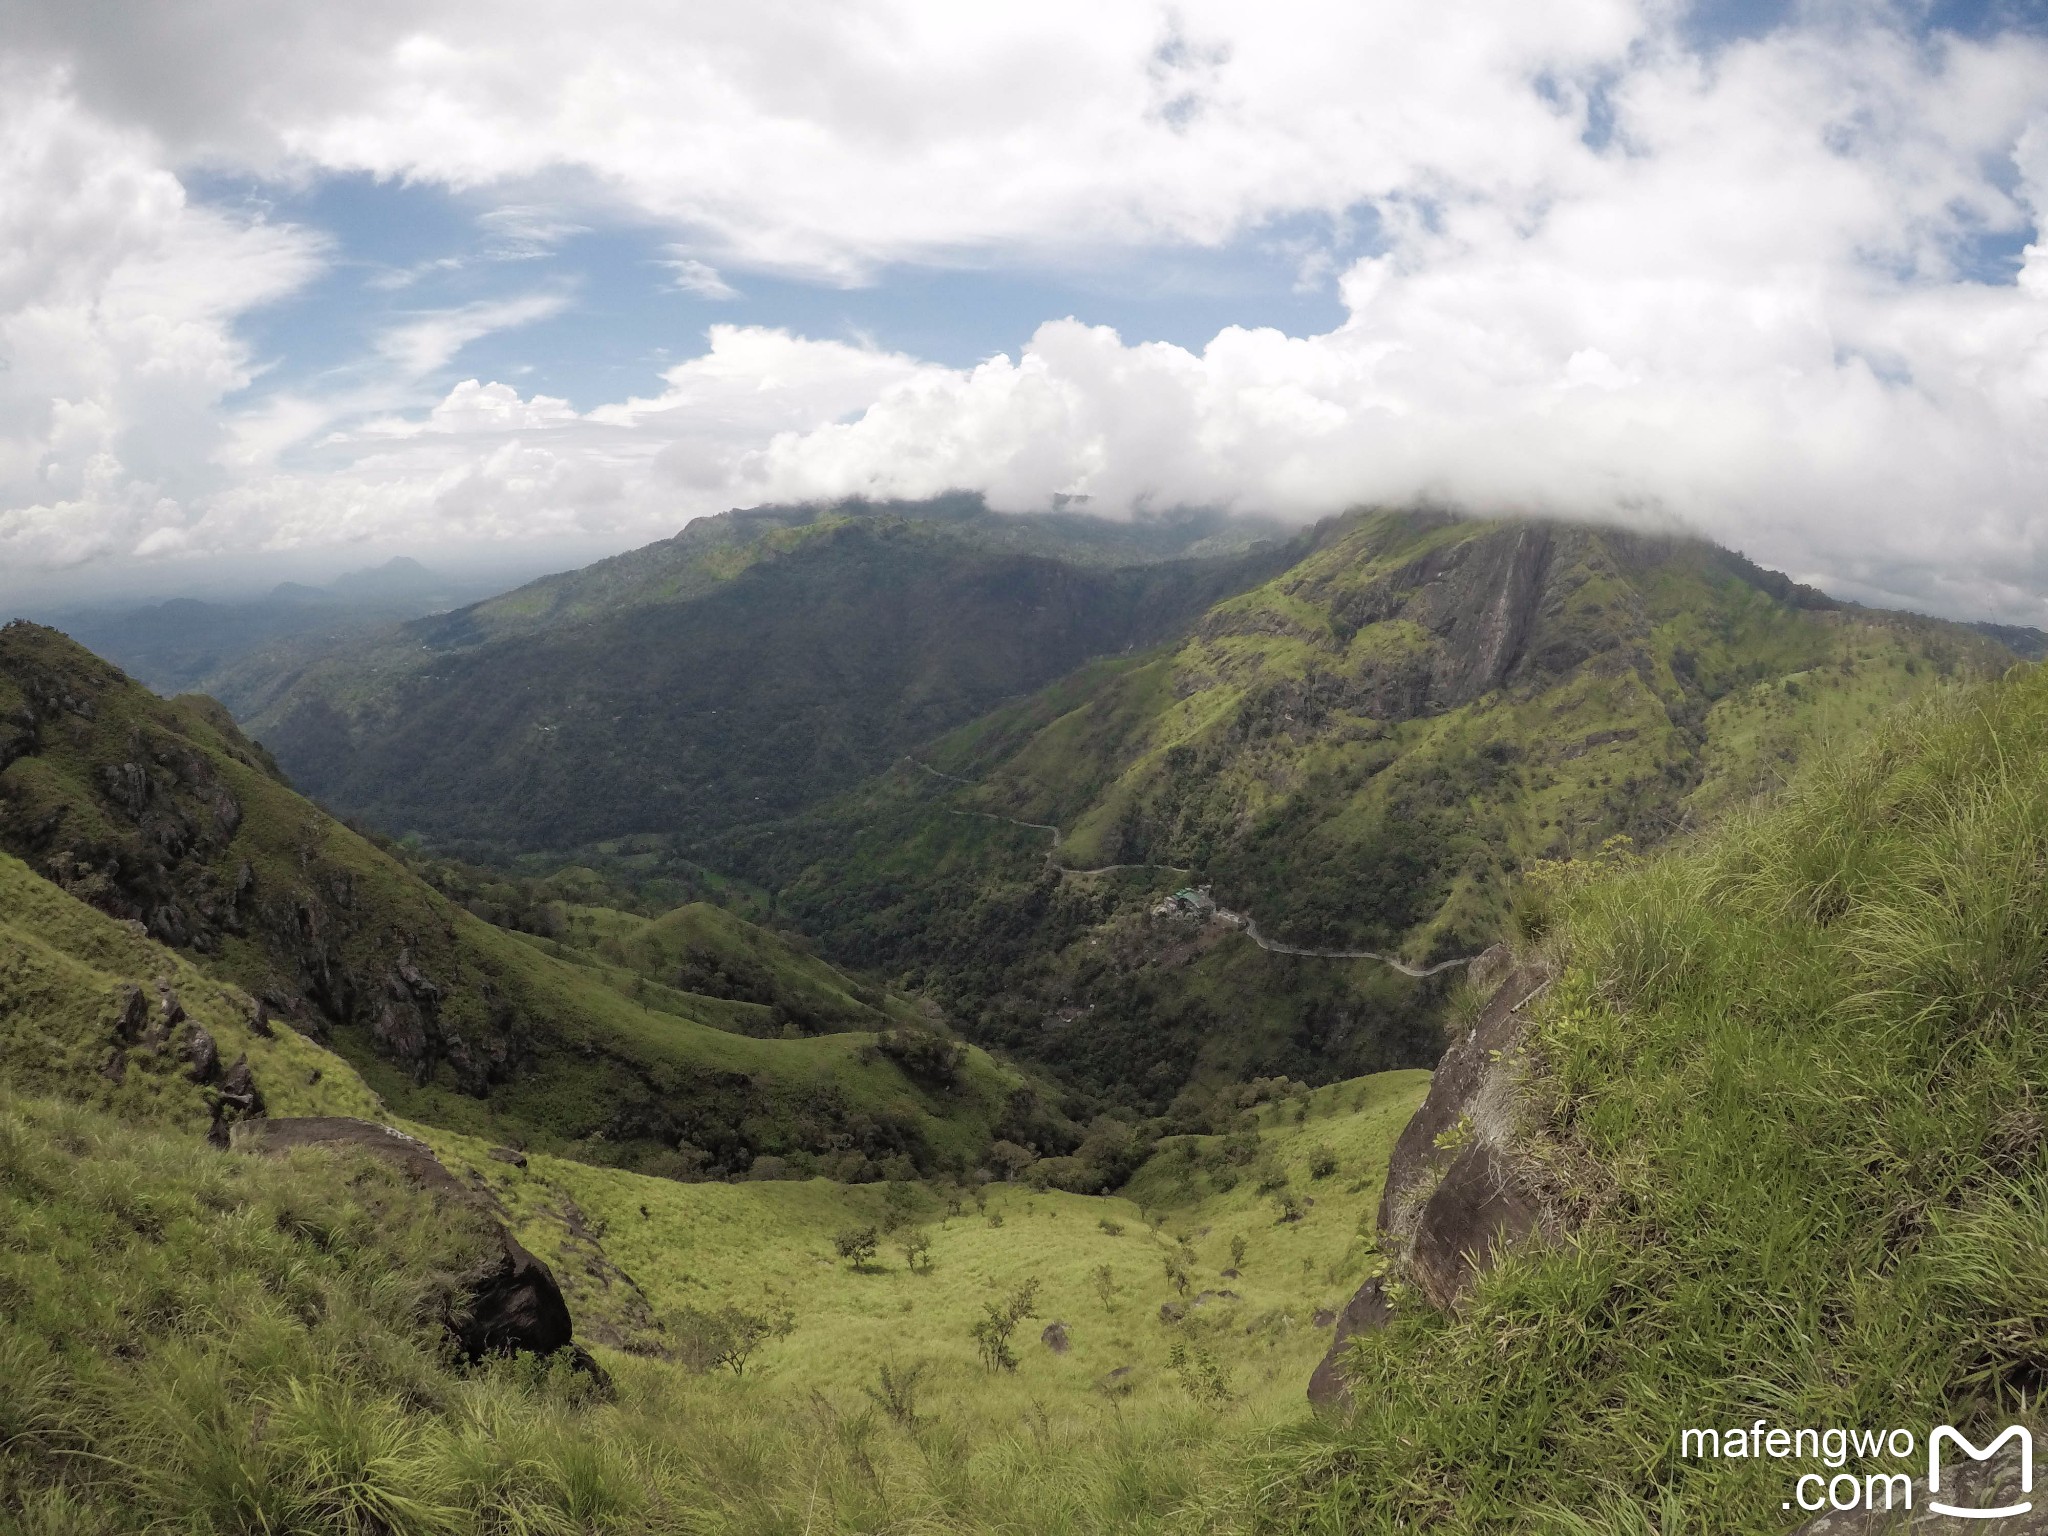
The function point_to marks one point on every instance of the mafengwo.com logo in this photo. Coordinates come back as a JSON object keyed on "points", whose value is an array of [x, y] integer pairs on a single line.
{"points": [[1874, 1469], [1946, 1436]]}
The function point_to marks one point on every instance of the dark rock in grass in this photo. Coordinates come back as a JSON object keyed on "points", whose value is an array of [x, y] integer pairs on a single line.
{"points": [[1364, 1312], [259, 1021], [1453, 1090], [1473, 1215], [509, 1155], [514, 1304], [1452, 1203], [1171, 1311], [202, 1055], [1054, 1337], [116, 1069], [1324, 1317], [131, 1015]]}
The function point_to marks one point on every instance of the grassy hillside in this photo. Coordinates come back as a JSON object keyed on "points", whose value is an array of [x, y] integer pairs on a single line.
{"points": [[1787, 1093], [201, 1340], [1784, 1098], [1363, 752], [752, 665], [161, 813]]}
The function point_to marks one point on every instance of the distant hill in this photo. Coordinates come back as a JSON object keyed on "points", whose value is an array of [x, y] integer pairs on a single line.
{"points": [[755, 664], [184, 643], [163, 814], [2023, 640]]}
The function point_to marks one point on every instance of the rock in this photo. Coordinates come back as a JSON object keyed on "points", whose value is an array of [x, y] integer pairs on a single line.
{"points": [[259, 1021], [1451, 1202], [203, 1055], [514, 1305], [1054, 1338], [116, 1069], [509, 1155], [238, 1088], [131, 1015], [1490, 967], [1365, 1311], [1228, 1274], [1323, 1318], [1206, 1297], [1468, 1219], [1965, 1484], [1453, 1091], [1171, 1311]]}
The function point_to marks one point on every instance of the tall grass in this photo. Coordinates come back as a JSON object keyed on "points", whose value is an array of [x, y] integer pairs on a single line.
{"points": [[1791, 1087], [204, 1342]]}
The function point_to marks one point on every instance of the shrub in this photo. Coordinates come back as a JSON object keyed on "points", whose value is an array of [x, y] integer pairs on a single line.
{"points": [[926, 1059], [857, 1245], [727, 1337], [895, 1392], [1106, 1286], [1111, 1228], [999, 1321], [917, 1252], [1322, 1162]]}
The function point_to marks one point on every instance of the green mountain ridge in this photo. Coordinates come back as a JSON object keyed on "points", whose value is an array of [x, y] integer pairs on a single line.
{"points": [[1364, 752], [750, 666], [161, 813]]}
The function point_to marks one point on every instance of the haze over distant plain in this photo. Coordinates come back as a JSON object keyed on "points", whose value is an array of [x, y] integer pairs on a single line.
{"points": [[303, 280]]}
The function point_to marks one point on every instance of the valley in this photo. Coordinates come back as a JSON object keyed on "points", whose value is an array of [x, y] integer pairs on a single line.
{"points": [[955, 1021]]}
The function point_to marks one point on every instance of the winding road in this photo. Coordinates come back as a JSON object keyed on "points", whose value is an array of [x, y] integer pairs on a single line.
{"points": [[1243, 920]]}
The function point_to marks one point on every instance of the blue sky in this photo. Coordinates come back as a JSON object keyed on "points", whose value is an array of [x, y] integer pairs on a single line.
{"points": [[286, 283]]}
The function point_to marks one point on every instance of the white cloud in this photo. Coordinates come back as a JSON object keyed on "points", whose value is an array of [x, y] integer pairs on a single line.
{"points": [[1756, 306], [118, 300], [693, 276]]}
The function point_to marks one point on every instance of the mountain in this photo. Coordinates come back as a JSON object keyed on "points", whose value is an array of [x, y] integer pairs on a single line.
{"points": [[1365, 752], [1764, 1140], [752, 665], [186, 642], [161, 813]]}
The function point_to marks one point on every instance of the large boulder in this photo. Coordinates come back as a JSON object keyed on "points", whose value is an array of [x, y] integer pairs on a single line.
{"points": [[1365, 1311], [1452, 1202], [513, 1305]]}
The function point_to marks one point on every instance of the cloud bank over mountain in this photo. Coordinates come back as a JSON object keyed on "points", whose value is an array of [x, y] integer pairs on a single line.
{"points": [[1789, 289]]}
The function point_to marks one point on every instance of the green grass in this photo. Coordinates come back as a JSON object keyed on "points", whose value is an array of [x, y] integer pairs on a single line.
{"points": [[771, 1244], [1789, 1089], [204, 1341], [591, 1060]]}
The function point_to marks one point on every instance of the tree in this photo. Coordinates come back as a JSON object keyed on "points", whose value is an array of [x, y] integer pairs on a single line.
{"points": [[857, 1245], [1201, 1375], [727, 1337], [999, 1321], [1106, 1287], [917, 1252], [1177, 1272]]}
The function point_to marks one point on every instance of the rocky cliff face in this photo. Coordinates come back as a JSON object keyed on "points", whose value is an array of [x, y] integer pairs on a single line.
{"points": [[1458, 1191], [163, 814]]}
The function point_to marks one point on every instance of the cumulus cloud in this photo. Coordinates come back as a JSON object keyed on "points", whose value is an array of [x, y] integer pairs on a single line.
{"points": [[1764, 290], [118, 302]]}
